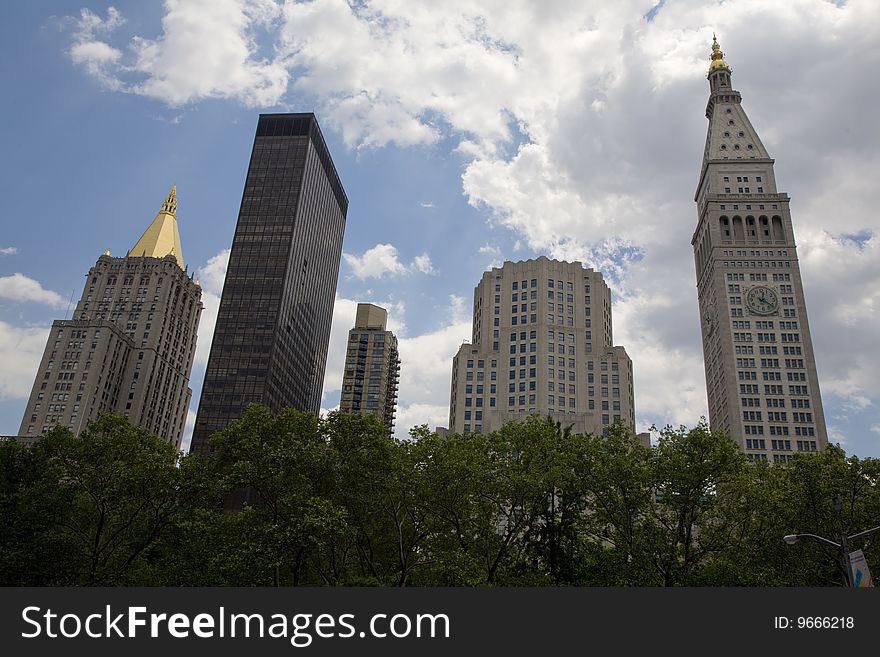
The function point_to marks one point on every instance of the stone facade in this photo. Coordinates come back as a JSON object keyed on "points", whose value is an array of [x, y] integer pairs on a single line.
{"points": [[541, 344], [762, 385], [128, 348]]}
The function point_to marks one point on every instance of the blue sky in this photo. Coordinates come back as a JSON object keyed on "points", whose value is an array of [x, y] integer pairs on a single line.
{"points": [[465, 134]]}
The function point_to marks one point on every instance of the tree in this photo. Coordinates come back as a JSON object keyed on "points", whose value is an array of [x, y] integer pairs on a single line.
{"points": [[95, 507], [276, 473]]}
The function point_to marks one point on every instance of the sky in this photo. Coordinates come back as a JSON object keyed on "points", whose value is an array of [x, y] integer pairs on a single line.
{"points": [[465, 134]]}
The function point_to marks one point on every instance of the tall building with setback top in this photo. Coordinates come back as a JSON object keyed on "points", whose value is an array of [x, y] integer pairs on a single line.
{"points": [[273, 327], [129, 347], [761, 378], [542, 344], [372, 367]]}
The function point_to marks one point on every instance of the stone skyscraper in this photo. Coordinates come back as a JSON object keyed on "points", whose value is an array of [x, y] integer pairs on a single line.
{"points": [[129, 347], [372, 366], [273, 327], [761, 376], [542, 344]]}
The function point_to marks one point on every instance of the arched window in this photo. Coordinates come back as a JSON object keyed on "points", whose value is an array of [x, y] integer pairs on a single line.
{"points": [[778, 233], [738, 233]]}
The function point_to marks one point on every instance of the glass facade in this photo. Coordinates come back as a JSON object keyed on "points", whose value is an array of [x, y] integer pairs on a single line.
{"points": [[273, 327]]}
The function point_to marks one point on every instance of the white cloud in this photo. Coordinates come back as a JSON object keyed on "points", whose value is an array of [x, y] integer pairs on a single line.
{"points": [[427, 204], [18, 287], [211, 277], [423, 264], [493, 252], [383, 260], [376, 262], [840, 280], [667, 369], [213, 273], [426, 361], [836, 436], [8, 250], [413, 415], [20, 351], [188, 427], [208, 49], [94, 53], [97, 57]]}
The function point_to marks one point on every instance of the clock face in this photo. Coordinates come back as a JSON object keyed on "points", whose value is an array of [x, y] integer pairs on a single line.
{"points": [[762, 300]]}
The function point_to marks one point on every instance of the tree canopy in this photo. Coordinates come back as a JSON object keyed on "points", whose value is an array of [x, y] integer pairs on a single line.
{"points": [[292, 499]]}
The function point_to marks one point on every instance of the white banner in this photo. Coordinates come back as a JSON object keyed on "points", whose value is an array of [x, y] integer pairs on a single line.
{"points": [[860, 573]]}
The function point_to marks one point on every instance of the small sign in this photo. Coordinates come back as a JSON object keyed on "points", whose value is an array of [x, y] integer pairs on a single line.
{"points": [[860, 573]]}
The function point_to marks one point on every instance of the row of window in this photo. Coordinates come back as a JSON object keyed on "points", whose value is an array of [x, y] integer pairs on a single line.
{"points": [[765, 350], [524, 285], [758, 430], [754, 389], [749, 206], [759, 264], [765, 324], [755, 254], [740, 178], [773, 403], [758, 277], [782, 445], [777, 416]]}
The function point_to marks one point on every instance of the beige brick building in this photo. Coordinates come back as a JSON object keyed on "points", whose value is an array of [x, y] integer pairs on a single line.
{"points": [[542, 344], [129, 347], [761, 378], [372, 367]]}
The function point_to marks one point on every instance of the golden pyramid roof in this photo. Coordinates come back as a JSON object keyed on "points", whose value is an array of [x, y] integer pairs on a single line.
{"points": [[162, 237]]}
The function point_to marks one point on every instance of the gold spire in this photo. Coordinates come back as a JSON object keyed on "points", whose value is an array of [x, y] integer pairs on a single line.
{"points": [[717, 57], [162, 237], [170, 204], [107, 252]]}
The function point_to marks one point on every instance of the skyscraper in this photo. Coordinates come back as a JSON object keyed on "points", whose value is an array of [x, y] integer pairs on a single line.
{"points": [[129, 347], [273, 327], [542, 343], [760, 370], [372, 367]]}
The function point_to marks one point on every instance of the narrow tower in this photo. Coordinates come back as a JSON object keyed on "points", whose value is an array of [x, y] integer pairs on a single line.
{"points": [[130, 345], [761, 379], [372, 367]]}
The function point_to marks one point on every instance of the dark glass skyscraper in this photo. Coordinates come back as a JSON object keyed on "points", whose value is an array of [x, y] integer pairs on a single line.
{"points": [[273, 328]]}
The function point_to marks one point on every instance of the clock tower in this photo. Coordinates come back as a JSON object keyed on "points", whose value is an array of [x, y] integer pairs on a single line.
{"points": [[761, 380]]}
